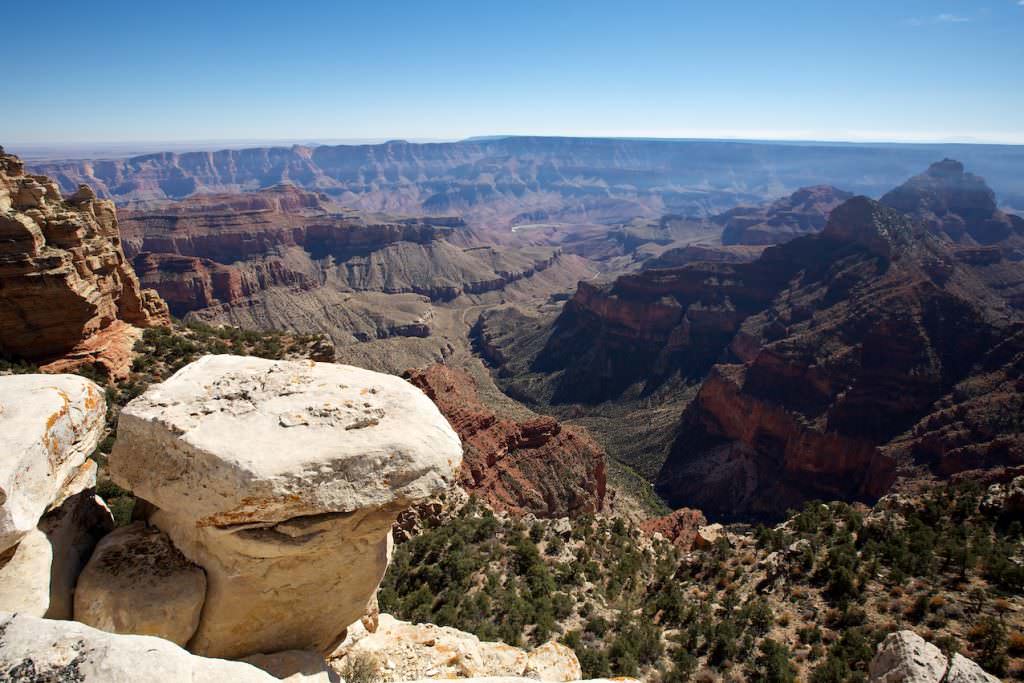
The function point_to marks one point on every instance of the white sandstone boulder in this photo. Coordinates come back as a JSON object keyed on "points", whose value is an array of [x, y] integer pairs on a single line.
{"points": [[905, 657], [138, 583], [230, 440], [49, 425], [282, 479], [33, 649]]}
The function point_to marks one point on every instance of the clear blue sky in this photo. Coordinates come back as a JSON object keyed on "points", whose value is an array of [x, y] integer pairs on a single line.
{"points": [[183, 70]]}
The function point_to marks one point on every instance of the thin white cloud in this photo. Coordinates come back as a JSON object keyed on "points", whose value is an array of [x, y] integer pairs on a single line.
{"points": [[944, 18]]}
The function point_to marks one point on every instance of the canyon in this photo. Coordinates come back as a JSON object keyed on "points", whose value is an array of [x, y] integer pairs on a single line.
{"points": [[498, 183], [803, 373]]}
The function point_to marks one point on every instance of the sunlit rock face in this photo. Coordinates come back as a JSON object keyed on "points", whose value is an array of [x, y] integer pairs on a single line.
{"points": [[63, 273], [282, 480]]}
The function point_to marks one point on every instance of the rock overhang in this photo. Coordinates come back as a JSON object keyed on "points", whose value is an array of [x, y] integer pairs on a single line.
{"points": [[238, 440]]}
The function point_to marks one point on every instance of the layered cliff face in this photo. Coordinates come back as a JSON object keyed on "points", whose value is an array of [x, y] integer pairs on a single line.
{"points": [[803, 212], [956, 204], [825, 367], [64, 278], [960, 207], [537, 466], [879, 323], [516, 180], [284, 258]]}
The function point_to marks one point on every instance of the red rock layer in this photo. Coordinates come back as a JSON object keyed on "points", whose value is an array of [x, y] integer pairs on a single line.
{"points": [[537, 466], [878, 322], [814, 360], [680, 526], [63, 274]]}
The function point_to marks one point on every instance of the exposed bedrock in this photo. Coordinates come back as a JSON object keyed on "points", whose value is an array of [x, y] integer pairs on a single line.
{"points": [[538, 466], [282, 480], [50, 519], [63, 274]]}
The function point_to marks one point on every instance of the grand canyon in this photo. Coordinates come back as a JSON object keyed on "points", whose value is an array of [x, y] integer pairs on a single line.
{"points": [[734, 392]]}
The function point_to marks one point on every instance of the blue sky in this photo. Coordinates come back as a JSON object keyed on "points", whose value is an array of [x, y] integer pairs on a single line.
{"points": [[134, 71]]}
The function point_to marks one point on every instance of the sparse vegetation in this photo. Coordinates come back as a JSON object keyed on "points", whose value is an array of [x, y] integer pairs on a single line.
{"points": [[806, 600]]}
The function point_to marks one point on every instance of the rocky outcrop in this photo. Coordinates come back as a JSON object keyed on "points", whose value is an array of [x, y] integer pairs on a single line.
{"points": [[63, 274], [680, 527], [34, 649], [266, 474], [905, 657], [50, 521], [847, 356], [138, 583], [802, 213], [537, 466], [960, 207], [825, 366], [956, 205], [50, 425], [401, 651]]}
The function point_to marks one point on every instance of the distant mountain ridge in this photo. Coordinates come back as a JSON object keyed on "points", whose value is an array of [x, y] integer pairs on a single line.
{"points": [[491, 181]]}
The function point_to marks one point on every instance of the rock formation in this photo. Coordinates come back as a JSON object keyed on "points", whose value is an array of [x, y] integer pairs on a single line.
{"points": [[960, 207], [845, 358], [283, 258], [50, 520], [957, 205], [504, 181], [402, 651], [681, 527], [825, 366], [281, 480], [537, 466], [34, 649], [50, 425], [802, 213], [905, 657], [138, 583], [63, 275]]}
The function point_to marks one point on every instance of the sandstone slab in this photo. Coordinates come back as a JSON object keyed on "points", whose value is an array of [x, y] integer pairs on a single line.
{"points": [[138, 583], [232, 440], [33, 649], [49, 424]]}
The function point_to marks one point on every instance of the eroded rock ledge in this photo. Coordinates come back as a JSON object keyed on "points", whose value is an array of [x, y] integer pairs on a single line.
{"points": [[64, 275]]}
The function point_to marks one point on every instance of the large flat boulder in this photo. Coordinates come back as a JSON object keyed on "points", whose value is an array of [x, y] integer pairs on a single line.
{"points": [[282, 481], [33, 649], [138, 583], [49, 425], [231, 440]]}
